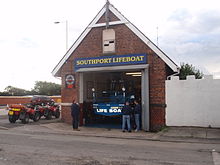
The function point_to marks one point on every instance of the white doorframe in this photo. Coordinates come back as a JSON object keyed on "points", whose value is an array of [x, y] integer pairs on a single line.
{"points": [[144, 89], [145, 100], [81, 87]]}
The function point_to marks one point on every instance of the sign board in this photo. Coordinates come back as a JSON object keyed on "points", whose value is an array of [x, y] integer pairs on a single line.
{"points": [[70, 81], [114, 60], [108, 109]]}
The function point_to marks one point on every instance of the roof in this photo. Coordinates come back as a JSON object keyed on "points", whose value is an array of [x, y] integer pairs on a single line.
{"points": [[122, 20]]}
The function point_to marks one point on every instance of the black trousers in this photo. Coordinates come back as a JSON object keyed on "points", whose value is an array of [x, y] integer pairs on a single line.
{"points": [[75, 121]]}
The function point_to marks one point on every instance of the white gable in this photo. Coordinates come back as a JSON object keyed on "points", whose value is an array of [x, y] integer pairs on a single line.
{"points": [[122, 20]]}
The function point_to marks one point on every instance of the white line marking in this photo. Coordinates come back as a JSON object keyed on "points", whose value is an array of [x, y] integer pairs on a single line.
{"points": [[215, 157]]}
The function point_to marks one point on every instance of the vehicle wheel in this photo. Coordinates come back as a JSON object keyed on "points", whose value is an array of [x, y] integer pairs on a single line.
{"points": [[12, 119], [57, 113], [26, 119], [46, 112], [49, 115], [37, 116]]}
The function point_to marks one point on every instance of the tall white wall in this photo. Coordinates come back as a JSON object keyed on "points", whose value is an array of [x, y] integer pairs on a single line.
{"points": [[193, 102]]}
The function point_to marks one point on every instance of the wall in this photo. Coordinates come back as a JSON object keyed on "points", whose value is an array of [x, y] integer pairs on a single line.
{"points": [[4, 100], [126, 43], [193, 102]]}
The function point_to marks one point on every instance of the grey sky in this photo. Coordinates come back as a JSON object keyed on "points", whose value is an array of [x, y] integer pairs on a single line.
{"points": [[31, 44]]}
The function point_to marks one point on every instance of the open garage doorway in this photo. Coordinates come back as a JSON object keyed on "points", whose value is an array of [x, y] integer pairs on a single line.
{"points": [[104, 95]]}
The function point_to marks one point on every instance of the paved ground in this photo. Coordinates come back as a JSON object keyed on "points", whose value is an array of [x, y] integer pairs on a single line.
{"points": [[4, 123], [3, 111], [54, 142]]}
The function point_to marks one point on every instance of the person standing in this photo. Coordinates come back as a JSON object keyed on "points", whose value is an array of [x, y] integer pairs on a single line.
{"points": [[126, 112], [137, 113], [75, 110]]}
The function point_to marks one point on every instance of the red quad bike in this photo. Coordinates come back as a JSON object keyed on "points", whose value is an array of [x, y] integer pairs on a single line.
{"points": [[46, 106], [25, 115], [14, 112], [29, 113], [52, 110], [22, 112]]}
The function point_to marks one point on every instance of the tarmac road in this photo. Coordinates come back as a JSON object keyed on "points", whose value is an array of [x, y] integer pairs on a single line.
{"points": [[50, 142], [25, 146]]}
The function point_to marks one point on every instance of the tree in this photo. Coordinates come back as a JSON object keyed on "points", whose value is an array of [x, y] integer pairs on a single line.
{"points": [[14, 91], [188, 69], [40, 88], [46, 88], [4, 93]]}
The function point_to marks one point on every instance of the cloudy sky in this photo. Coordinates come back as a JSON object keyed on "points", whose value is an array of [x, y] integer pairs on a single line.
{"points": [[31, 44]]}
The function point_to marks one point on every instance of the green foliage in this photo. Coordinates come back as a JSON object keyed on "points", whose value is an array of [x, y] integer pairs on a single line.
{"points": [[13, 91], [47, 88], [40, 88], [187, 69]]}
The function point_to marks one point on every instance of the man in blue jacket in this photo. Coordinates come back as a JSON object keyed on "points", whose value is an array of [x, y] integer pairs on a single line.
{"points": [[75, 110], [126, 112]]}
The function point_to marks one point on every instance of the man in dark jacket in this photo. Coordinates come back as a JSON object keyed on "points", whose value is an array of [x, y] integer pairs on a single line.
{"points": [[137, 113], [126, 112], [75, 110]]}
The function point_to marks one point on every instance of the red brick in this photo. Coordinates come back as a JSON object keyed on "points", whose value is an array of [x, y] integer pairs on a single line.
{"points": [[126, 43]]}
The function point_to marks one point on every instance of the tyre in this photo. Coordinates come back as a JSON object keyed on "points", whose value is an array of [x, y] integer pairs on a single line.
{"points": [[46, 112], [37, 116], [12, 119], [57, 113], [49, 115], [26, 119]]}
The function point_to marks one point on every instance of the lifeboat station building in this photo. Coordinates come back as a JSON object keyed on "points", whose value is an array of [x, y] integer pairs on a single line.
{"points": [[111, 62]]}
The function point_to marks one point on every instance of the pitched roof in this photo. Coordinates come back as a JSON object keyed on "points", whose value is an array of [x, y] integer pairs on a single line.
{"points": [[122, 20]]}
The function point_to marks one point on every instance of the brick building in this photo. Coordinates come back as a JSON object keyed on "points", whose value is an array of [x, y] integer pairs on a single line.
{"points": [[112, 53]]}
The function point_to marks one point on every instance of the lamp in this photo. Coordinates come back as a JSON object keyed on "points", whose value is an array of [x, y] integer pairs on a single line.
{"points": [[57, 22]]}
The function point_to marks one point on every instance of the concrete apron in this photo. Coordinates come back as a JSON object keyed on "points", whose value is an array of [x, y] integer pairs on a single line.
{"points": [[172, 134], [192, 132]]}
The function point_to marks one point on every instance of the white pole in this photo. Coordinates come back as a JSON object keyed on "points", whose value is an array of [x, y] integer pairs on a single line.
{"points": [[66, 22], [107, 14], [66, 35], [157, 36]]}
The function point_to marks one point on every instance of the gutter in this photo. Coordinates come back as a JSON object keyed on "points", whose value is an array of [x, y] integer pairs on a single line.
{"points": [[176, 73]]}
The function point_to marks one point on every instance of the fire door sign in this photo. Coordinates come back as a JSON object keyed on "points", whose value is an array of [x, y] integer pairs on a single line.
{"points": [[70, 81], [114, 60]]}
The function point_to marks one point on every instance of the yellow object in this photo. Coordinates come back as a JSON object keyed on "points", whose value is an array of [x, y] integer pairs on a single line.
{"points": [[15, 109], [10, 112], [58, 100]]}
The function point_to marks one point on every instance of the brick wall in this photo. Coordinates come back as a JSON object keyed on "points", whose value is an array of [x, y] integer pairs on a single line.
{"points": [[66, 114], [126, 43], [4, 100]]}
